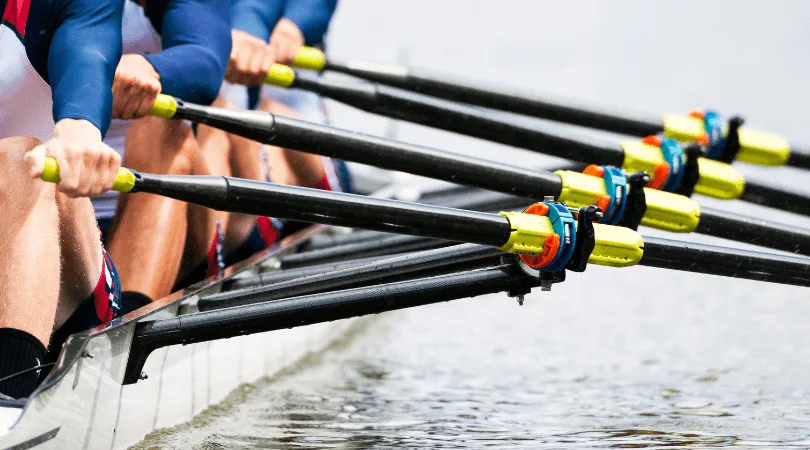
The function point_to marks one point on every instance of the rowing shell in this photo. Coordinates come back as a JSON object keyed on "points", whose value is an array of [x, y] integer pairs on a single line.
{"points": [[83, 403]]}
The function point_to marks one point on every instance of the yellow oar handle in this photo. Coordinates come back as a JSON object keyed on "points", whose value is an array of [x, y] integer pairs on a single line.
{"points": [[124, 181], [165, 106], [309, 58], [280, 75], [615, 246]]}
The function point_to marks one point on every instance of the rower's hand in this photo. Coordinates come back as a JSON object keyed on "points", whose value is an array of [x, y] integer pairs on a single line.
{"points": [[135, 88], [285, 40], [87, 166], [251, 59]]}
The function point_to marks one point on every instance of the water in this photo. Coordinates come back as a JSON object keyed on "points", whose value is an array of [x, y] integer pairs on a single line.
{"points": [[631, 358]]}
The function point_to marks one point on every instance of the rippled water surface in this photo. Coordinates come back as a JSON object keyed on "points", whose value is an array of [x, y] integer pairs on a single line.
{"points": [[630, 358]]}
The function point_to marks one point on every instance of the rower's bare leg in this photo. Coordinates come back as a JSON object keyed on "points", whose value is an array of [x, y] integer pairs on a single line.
{"points": [[245, 162], [149, 232], [41, 230], [306, 168], [80, 243], [29, 254], [202, 223], [226, 155]]}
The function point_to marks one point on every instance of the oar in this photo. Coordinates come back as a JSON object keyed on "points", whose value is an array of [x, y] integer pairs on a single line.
{"points": [[663, 159], [661, 210], [756, 147], [545, 236], [531, 233]]}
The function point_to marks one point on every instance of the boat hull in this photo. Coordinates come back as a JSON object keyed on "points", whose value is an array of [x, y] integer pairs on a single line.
{"points": [[84, 403]]}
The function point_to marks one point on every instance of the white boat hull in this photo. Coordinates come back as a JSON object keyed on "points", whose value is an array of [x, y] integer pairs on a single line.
{"points": [[89, 407]]}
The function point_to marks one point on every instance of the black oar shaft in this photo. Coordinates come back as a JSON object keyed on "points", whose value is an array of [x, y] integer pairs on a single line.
{"points": [[754, 231], [379, 152], [459, 257], [278, 276], [502, 98], [462, 119], [331, 208], [725, 261], [776, 198], [359, 249]]}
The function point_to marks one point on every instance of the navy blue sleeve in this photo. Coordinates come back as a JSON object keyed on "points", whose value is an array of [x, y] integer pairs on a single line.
{"points": [[311, 16], [84, 53], [256, 17], [196, 37]]}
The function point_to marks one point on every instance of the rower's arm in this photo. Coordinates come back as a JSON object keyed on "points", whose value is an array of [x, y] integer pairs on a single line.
{"points": [[311, 16], [84, 53], [256, 17], [196, 46]]}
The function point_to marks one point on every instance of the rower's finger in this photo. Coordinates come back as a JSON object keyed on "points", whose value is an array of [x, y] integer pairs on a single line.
{"points": [[113, 169], [255, 66], [35, 159]]}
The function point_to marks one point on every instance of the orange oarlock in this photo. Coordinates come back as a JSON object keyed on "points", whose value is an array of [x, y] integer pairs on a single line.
{"points": [[550, 247]]}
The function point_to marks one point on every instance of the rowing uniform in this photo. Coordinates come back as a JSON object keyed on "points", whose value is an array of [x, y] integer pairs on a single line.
{"points": [[68, 45], [50, 51], [188, 44]]}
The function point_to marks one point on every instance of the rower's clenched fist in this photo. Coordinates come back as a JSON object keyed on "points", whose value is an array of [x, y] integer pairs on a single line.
{"points": [[87, 166], [135, 88], [285, 40], [251, 59]]}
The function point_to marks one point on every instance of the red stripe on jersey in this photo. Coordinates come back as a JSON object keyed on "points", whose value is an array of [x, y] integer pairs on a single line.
{"points": [[16, 14]]}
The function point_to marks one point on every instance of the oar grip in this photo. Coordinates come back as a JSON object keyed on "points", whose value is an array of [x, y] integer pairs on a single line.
{"points": [[165, 106], [280, 75], [124, 181], [309, 58]]}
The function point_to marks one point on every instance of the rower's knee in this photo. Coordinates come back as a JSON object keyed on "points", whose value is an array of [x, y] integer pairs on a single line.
{"points": [[162, 146], [17, 188]]}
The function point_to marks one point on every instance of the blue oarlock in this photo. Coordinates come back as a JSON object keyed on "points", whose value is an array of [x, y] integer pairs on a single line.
{"points": [[564, 226], [713, 123], [674, 155], [616, 188]]}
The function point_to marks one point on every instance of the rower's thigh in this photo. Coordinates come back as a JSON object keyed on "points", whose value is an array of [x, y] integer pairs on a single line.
{"points": [[162, 146], [17, 188]]}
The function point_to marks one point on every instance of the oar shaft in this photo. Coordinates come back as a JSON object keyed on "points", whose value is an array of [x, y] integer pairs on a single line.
{"points": [[502, 98], [331, 208], [776, 198], [462, 119], [725, 261], [391, 243], [754, 231], [459, 257], [388, 154]]}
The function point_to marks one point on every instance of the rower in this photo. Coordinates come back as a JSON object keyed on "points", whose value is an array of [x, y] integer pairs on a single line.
{"points": [[151, 235], [287, 25], [52, 258]]}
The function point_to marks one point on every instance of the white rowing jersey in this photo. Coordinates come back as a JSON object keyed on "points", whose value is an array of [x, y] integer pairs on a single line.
{"points": [[25, 98], [139, 36]]}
